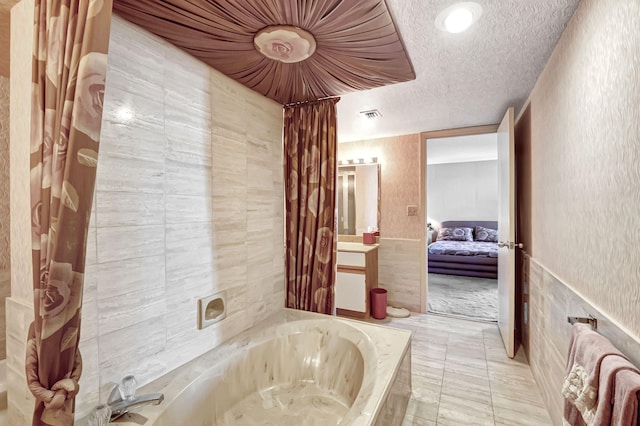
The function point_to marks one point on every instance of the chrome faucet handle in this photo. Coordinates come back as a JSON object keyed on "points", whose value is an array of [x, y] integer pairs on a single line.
{"points": [[123, 398], [127, 387], [114, 395], [100, 416], [123, 391]]}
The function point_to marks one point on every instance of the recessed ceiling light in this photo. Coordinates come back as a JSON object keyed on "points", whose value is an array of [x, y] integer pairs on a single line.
{"points": [[458, 17]]}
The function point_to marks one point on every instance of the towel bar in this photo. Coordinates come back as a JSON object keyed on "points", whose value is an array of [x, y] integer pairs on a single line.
{"points": [[586, 320]]}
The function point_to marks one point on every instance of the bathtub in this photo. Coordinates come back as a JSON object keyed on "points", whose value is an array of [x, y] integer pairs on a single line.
{"points": [[296, 368]]}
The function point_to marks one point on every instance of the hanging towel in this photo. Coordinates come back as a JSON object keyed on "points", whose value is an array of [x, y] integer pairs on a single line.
{"points": [[580, 389], [627, 393], [608, 400]]}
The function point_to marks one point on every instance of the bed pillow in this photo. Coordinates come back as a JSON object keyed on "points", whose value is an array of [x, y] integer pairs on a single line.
{"points": [[486, 234], [455, 234]]}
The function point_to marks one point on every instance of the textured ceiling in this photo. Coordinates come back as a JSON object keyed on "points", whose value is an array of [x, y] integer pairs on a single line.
{"points": [[462, 79], [358, 47]]}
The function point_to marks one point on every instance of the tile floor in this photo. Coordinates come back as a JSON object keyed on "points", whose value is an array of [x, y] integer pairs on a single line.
{"points": [[462, 376]]}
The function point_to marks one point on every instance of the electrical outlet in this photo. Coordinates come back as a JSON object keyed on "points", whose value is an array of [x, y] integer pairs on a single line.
{"points": [[412, 210]]}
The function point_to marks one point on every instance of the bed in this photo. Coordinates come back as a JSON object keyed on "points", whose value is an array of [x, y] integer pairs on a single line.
{"points": [[454, 254]]}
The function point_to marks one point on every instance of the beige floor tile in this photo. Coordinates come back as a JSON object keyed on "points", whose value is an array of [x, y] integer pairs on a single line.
{"points": [[461, 411], [428, 350], [514, 402], [505, 416], [456, 357], [420, 413], [417, 421], [426, 381], [467, 387], [526, 392], [462, 368], [462, 376], [421, 359]]}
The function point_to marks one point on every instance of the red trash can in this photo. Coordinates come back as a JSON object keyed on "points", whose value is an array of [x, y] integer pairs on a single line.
{"points": [[379, 303]]}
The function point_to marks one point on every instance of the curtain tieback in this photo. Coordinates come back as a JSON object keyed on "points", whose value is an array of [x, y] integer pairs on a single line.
{"points": [[61, 391]]}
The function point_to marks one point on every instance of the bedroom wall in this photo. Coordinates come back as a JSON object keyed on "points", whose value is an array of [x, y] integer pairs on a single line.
{"points": [[400, 247], [584, 185], [189, 203], [462, 191]]}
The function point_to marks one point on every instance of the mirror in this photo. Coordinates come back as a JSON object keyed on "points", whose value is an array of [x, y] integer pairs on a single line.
{"points": [[358, 198]]}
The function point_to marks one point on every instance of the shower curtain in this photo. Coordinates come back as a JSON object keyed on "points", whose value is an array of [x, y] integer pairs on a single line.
{"points": [[310, 176], [71, 39]]}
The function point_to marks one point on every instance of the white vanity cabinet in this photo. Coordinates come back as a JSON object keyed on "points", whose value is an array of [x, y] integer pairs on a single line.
{"points": [[357, 275]]}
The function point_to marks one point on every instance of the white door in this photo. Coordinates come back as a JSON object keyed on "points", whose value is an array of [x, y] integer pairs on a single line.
{"points": [[506, 233]]}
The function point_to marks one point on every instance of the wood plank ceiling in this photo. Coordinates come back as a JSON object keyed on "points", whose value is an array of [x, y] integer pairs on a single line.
{"points": [[358, 46]]}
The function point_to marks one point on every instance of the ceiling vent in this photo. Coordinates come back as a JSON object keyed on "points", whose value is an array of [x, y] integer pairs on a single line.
{"points": [[371, 114]]}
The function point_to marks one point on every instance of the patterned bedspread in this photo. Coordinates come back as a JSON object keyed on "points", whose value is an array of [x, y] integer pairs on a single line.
{"points": [[464, 248]]}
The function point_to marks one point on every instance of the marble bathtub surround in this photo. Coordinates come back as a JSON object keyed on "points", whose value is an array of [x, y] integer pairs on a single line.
{"points": [[188, 203], [310, 180], [65, 135], [294, 368]]}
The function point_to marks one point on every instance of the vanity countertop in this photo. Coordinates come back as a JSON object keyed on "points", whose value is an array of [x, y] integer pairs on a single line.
{"points": [[356, 247]]}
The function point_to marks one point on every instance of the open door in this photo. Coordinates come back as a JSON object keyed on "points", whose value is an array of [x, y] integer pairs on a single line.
{"points": [[506, 232]]}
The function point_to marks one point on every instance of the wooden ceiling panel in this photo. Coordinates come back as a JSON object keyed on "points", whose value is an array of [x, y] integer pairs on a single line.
{"points": [[358, 47]]}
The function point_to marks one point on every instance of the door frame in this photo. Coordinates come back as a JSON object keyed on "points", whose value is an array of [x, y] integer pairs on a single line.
{"points": [[422, 211]]}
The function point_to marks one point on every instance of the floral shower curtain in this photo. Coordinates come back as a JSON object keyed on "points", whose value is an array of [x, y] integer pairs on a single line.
{"points": [[310, 175], [71, 39]]}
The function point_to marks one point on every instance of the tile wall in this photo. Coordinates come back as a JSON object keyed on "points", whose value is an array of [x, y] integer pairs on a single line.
{"points": [[399, 272], [19, 307], [188, 203], [5, 252], [551, 302]]}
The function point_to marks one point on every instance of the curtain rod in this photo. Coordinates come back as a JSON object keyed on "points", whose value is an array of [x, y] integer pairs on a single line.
{"points": [[313, 101]]}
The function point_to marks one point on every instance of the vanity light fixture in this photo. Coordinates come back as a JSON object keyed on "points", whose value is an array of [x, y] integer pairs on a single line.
{"points": [[458, 17], [372, 160]]}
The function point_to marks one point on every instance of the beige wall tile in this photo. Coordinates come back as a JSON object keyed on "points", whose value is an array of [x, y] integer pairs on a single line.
{"points": [[175, 205], [129, 209], [399, 272], [129, 242], [90, 379], [5, 231], [20, 118], [20, 401]]}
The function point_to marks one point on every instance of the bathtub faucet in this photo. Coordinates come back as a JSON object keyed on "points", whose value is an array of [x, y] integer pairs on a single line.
{"points": [[123, 398]]}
